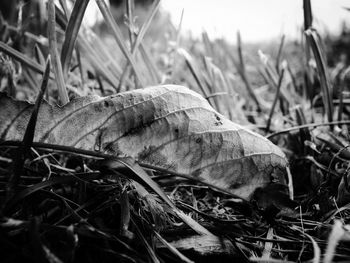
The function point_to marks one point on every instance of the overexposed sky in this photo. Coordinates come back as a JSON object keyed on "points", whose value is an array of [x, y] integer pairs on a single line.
{"points": [[258, 20]]}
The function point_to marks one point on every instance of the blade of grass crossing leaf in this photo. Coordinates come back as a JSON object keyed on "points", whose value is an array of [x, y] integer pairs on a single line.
{"points": [[24, 148], [30, 130], [62, 91], [144, 178], [326, 87], [71, 33], [118, 37]]}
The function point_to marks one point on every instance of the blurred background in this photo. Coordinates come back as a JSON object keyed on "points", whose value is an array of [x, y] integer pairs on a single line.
{"points": [[257, 20]]}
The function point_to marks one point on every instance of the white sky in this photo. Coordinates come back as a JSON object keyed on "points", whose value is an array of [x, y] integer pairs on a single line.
{"points": [[258, 20]]}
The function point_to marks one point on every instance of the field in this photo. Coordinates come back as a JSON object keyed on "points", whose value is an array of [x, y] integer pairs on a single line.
{"points": [[78, 202]]}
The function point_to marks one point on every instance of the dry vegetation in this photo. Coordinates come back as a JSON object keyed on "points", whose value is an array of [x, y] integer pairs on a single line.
{"points": [[61, 204]]}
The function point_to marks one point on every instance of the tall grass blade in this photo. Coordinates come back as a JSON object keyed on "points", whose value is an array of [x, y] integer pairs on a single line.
{"points": [[326, 87], [308, 19], [118, 37], [208, 45], [151, 65], [145, 26], [140, 36], [279, 54], [56, 61], [130, 6], [242, 70], [307, 14], [278, 91], [71, 33], [177, 44], [96, 61], [195, 72]]}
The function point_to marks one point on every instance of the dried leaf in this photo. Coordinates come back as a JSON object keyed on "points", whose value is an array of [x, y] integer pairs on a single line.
{"points": [[166, 126]]}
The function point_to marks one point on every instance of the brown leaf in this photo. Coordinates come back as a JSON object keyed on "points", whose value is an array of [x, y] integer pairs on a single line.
{"points": [[167, 126]]}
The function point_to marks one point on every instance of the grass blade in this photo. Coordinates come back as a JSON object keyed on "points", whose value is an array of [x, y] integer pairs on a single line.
{"points": [[172, 249], [278, 91], [195, 72], [326, 87], [139, 37], [24, 149], [279, 54], [97, 63], [130, 6], [149, 248], [34, 188], [22, 58], [151, 65], [71, 33], [139, 175], [344, 82], [145, 26], [241, 69], [307, 14], [62, 91], [118, 37], [124, 214]]}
